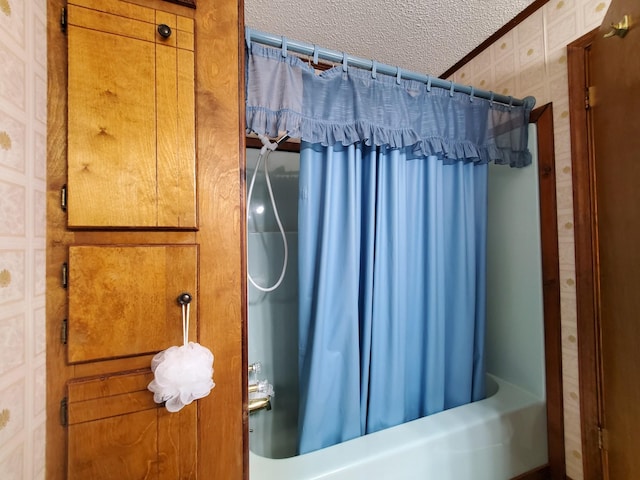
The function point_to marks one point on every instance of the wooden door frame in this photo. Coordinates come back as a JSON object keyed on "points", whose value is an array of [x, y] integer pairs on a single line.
{"points": [[582, 165]]}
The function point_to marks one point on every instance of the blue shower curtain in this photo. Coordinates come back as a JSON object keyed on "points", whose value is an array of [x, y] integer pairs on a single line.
{"points": [[392, 289], [392, 228]]}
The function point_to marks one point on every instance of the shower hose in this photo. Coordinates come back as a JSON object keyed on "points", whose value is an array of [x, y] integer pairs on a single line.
{"points": [[267, 148]]}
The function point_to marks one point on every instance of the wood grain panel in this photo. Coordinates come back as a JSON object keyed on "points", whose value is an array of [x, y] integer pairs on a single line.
{"points": [[123, 9], [122, 299], [118, 447], [112, 131], [105, 22], [176, 138]]}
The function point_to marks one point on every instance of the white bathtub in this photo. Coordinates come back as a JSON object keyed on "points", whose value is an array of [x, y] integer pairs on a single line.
{"points": [[493, 439]]}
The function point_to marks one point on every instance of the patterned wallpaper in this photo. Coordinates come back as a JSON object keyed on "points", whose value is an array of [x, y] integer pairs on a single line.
{"points": [[23, 90], [532, 60]]}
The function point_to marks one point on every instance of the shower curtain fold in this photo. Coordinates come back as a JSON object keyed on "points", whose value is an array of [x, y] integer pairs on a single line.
{"points": [[391, 278]]}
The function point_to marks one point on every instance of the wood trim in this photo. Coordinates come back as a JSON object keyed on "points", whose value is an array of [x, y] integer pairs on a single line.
{"points": [[518, 19], [583, 214], [543, 118], [242, 157]]}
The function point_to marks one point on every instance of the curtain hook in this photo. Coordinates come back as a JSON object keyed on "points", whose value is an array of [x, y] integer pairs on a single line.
{"points": [[510, 102], [452, 89], [345, 62], [428, 83], [471, 94], [315, 54], [398, 75], [374, 68], [284, 47], [491, 99]]}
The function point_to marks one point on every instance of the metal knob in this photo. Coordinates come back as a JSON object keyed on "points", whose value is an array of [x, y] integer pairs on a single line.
{"points": [[164, 30], [184, 298]]}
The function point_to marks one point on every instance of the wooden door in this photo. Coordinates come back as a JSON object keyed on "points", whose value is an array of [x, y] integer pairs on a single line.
{"points": [[614, 73], [131, 133]]}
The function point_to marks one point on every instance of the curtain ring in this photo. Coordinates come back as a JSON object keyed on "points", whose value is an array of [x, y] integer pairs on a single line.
{"points": [[345, 62], [374, 68], [491, 99], [247, 36], [510, 102], [452, 89], [315, 54], [284, 47], [398, 75], [428, 83], [471, 94]]}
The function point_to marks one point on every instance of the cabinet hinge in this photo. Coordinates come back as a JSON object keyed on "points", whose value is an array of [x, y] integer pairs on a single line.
{"points": [[63, 20], [65, 275], [63, 198], [603, 438], [64, 331], [64, 412]]}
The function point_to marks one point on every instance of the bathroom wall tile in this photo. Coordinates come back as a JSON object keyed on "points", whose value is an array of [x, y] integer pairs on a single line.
{"points": [[41, 99], [483, 79], [561, 30], [39, 213], [503, 46], [531, 51], [12, 276], [11, 466], [12, 82], [12, 414], [39, 274], [39, 389], [40, 153], [40, 38], [39, 437], [12, 342], [505, 69], [13, 135], [532, 78], [12, 20], [12, 209], [529, 28], [39, 330], [22, 231], [593, 11]]}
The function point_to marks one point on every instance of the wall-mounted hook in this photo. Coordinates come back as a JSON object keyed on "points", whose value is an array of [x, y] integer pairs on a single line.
{"points": [[619, 29]]}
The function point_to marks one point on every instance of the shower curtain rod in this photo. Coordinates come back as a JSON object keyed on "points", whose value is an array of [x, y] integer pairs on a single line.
{"points": [[340, 57]]}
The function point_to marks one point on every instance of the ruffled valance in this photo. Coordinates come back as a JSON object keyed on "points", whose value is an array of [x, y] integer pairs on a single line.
{"points": [[285, 94]]}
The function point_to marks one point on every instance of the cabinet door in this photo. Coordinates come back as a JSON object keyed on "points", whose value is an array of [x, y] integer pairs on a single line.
{"points": [[131, 114], [123, 299], [117, 431]]}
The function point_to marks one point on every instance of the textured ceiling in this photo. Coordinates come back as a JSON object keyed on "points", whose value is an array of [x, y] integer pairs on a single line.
{"points": [[419, 35]]}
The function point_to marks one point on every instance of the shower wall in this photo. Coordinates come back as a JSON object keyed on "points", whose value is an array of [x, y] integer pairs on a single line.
{"points": [[515, 342], [273, 317]]}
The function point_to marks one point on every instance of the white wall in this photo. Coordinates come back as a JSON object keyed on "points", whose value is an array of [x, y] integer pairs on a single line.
{"points": [[23, 90]]}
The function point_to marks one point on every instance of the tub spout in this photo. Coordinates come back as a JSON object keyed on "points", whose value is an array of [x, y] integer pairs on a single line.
{"points": [[263, 403]]}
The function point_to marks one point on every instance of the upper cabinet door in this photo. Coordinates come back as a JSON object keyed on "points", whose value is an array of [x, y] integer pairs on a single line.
{"points": [[131, 117]]}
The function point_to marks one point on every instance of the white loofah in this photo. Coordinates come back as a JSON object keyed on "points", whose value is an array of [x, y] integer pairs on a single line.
{"points": [[182, 374]]}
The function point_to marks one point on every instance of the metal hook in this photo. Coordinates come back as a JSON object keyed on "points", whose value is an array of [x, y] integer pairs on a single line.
{"points": [[619, 29], [184, 298]]}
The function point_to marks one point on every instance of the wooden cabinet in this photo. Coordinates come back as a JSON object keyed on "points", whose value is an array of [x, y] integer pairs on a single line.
{"points": [[131, 116], [121, 137]]}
